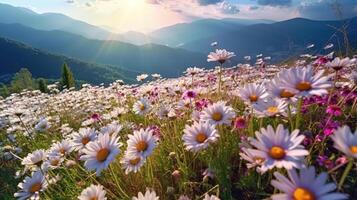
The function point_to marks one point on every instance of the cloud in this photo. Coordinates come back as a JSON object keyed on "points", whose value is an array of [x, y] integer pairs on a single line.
{"points": [[152, 1], [227, 8], [275, 2], [88, 4], [208, 2], [253, 7], [326, 9], [70, 1]]}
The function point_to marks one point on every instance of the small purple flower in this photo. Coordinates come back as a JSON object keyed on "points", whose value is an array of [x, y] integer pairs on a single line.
{"points": [[324, 161], [334, 110], [330, 128], [95, 117], [189, 94], [240, 123], [341, 160]]}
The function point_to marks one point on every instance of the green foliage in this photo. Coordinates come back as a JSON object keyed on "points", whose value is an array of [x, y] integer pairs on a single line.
{"points": [[22, 80], [42, 85], [4, 91], [67, 79]]}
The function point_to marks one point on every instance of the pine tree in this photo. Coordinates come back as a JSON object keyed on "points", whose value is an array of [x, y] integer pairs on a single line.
{"points": [[42, 85], [4, 91], [22, 80], [67, 80]]}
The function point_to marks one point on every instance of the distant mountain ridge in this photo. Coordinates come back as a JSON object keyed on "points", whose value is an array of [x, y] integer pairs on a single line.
{"points": [[15, 55], [179, 34], [149, 58], [280, 39]]}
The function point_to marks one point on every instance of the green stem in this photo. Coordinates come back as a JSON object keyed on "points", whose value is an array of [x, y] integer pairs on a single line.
{"points": [[345, 173], [298, 114]]}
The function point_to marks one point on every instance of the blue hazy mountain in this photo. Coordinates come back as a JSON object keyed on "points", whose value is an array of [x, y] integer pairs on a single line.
{"points": [[15, 55], [54, 21], [281, 39], [150, 58], [179, 34]]}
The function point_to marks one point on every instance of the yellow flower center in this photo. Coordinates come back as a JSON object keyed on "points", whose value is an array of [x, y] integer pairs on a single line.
{"points": [[273, 109], [277, 152], [259, 160], [353, 149], [102, 154], [85, 140], [62, 151], [135, 161], [94, 198], [303, 194], [217, 116], [141, 145], [54, 162], [253, 98], [201, 137], [303, 86], [35, 187], [286, 94], [142, 107]]}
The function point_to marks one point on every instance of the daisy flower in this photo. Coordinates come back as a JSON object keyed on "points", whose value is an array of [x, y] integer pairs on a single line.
{"points": [[218, 113], [42, 125], [270, 108], [35, 158], [193, 71], [141, 143], [345, 141], [305, 186], [81, 138], [62, 148], [278, 148], [132, 163], [338, 63], [221, 56], [100, 153], [276, 89], [147, 196], [92, 192], [112, 129], [212, 197], [142, 106], [141, 77], [199, 136], [302, 82], [252, 93], [32, 186]]}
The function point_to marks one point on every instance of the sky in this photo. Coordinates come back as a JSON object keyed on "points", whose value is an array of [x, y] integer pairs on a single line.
{"points": [[148, 15]]}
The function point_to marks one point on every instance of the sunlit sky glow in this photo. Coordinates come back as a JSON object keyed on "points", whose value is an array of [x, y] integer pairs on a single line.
{"points": [[148, 15]]}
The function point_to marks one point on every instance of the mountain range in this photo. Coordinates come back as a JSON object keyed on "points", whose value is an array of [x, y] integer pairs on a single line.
{"points": [[43, 64], [56, 38]]}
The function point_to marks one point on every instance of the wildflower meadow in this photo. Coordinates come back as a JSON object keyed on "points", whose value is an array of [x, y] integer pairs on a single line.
{"points": [[244, 132]]}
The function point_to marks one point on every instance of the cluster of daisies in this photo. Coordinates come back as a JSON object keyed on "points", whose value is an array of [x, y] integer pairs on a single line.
{"points": [[99, 143]]}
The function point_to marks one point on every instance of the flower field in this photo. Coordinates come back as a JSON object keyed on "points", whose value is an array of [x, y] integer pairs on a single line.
{"points": [[241, 132]]}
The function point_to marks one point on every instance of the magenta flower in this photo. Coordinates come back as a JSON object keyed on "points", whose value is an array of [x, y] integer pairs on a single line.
{"points": [[321, 60], [203, 103], [334, 110], [240, 123], [189, 94], [341, 160], [95, 117], [324, 161]]}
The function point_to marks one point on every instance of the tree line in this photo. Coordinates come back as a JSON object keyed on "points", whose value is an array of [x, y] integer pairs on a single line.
{"points": [[23, 80]]}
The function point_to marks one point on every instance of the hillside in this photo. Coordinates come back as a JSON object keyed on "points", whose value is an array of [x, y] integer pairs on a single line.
{"points": [[149, 58], [15, 55]]}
